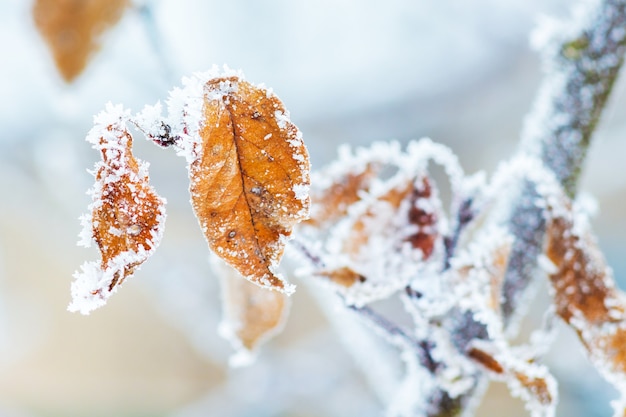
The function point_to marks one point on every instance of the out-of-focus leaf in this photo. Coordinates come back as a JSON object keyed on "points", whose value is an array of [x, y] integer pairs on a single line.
{"points": [[527, 380], [251, 314], [127, 215], [378, 220], [72, 29], [331, 203], [249, 178], [344, 276]]}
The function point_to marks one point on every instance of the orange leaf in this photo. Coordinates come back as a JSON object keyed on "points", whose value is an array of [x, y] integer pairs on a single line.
{"points": [[581, 281], [249, 178], [251, 314], [72, 29], [585, 294], [127, 215], [344, 276]]}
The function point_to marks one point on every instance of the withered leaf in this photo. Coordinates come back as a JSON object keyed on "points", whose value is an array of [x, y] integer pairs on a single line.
{"points": [[331, 203], [344, 276], [251, 314], [585, 294], [249, 178], [72, 29], [127, 215], [537, 384]]}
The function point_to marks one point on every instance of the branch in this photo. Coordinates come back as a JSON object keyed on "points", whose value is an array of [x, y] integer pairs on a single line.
{"points": [[582, 61]]}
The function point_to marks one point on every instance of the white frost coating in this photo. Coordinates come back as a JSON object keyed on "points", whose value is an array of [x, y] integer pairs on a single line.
{"points": [[113, 115], [410, 396], [425, 150], [85, 238], [301, 191], [150, 120], [282, 119], [474, 290], [505, 183], [185, 110]]}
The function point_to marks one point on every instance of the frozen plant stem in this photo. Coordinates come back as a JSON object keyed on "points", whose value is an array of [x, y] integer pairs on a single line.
{"points": [[582, 62], [392, 330], [582, 66]]}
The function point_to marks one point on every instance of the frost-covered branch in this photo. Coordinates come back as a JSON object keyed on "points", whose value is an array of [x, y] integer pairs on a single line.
{"points": [[582, 59]]}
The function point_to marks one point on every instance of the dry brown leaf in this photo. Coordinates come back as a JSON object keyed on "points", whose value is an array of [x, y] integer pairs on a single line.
{"points": [[582, 284], [331, 203], [585, 295], [249, 179], [251, 314], [72, 29], [129, 212], [127, 215]]}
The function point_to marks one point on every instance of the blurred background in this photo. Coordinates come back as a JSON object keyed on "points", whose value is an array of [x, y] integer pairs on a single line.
{"points": [[460, 72]]}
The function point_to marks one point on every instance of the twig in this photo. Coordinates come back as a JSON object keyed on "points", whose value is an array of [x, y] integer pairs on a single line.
{"points": [[422, 348], [581, 70]]}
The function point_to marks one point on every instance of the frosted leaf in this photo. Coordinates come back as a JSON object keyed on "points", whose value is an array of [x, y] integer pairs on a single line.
{"points": [[251, 314], [380, 217], [186, 110], [127, 216], [529, 381], [248, 189], [585, 294], [385, 240]]}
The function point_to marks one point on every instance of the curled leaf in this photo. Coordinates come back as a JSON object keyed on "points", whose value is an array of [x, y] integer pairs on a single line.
{"points": [[72, 29], [127, 216], [249, 174]]}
